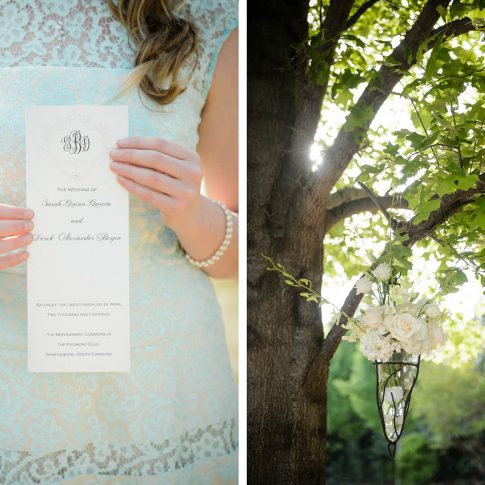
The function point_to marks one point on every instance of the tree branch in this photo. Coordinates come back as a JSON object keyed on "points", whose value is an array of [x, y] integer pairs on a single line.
{"points": [[364, 204], [312, 92], [353, 132], [450, 204], [359, 12], [452, 29], [342, 196]]}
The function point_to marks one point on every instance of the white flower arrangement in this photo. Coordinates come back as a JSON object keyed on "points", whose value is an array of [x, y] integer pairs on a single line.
{"points": [[400, 322], [394, 333]]}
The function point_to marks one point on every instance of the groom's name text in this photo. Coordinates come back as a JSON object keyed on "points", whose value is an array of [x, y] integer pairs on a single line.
{"points": [[99, 237]]}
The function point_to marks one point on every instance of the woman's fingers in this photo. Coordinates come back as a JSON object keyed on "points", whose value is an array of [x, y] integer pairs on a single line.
{"points": [[149, 159], [158, 144], [12, 212], [160, 162], [14, 227], [161, 201], [13, 259], [15, 242], [150, 178]]}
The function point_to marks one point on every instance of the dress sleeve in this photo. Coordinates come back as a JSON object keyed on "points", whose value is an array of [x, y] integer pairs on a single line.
{"points": [[215, 20]]}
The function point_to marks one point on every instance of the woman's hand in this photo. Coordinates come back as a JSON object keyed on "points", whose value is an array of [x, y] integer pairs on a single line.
{"points": [[15, 233], [163, 173], [169, 177]]}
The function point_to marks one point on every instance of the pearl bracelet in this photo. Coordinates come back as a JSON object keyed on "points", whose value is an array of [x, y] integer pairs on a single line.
{"points": [[224, 245]]}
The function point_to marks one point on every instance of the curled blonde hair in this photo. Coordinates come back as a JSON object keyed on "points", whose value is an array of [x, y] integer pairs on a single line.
{"points": [[164, 42]]}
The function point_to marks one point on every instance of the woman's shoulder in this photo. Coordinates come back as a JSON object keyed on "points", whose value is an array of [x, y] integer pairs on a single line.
{"points": [[214, 20]]}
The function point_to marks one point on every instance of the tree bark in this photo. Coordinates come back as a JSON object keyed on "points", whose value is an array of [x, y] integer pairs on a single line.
{"points": [[286, 426]]}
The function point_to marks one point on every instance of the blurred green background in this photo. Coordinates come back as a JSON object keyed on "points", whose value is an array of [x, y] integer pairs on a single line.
{"points": [[444, 436]]}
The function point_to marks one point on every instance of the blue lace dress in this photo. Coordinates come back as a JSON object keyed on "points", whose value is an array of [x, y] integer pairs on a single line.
{"points": [[173, 419]]}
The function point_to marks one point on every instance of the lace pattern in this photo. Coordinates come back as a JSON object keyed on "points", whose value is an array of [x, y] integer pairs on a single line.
{"points": [[148, 459]]}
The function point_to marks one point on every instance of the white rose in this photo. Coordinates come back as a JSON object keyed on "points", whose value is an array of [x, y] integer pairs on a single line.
{"points": [[432, 311], [383, 272], [363, 286], [374, 317], [395, 392], [412, 332]]}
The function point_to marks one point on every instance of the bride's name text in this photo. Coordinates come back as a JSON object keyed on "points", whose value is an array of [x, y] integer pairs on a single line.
{"points": [[75, 203]]}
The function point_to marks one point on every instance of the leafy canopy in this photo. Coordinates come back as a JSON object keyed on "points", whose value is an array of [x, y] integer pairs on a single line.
{"points": [[428, 141]]}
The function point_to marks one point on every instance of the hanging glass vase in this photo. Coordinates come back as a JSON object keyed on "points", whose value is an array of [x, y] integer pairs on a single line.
{"points": [[395, 383]]}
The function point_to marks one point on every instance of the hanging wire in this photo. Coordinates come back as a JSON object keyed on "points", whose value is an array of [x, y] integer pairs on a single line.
{"points": [[402, 370]]}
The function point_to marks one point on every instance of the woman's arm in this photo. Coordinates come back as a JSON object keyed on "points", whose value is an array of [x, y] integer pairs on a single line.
{"points": [[218, 131], [218, 151], [169, 176]]}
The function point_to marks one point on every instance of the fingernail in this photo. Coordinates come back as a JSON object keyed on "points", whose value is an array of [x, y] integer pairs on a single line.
{"points": [[115, 153], [28, 238], [114, 165], [28, 213], [25, 255], [121, 141], [29, 226]]}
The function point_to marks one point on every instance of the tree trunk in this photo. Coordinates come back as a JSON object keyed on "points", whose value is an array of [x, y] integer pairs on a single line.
{"points": [[286, 423]]}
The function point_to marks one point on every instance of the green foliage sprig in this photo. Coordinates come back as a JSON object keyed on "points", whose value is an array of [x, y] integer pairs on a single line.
{"points": [[309, 294]]}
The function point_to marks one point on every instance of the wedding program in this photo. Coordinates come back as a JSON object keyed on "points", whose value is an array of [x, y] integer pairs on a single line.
{"points": [[78, 270]]}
